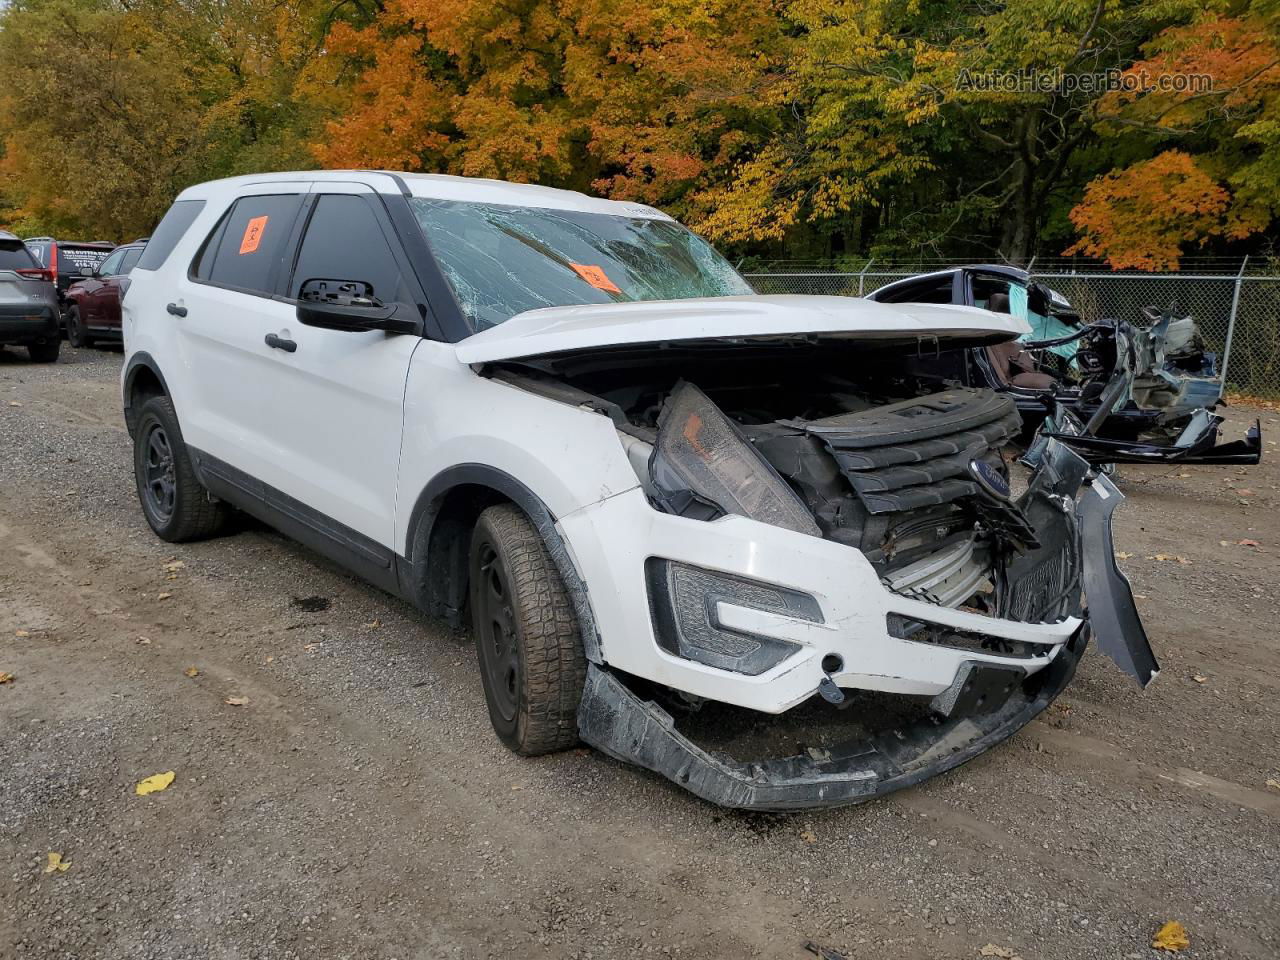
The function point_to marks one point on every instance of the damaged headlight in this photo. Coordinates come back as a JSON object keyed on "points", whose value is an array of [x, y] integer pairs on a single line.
{"points": [[684, 601], [703, 467]]}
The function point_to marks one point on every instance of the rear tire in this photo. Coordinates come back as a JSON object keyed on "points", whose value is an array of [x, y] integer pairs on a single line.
{"points": [[76, 335], [530, 649], [46, 352], [176, 505]]}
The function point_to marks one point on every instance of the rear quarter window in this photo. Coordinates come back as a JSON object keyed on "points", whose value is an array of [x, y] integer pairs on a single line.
{"points": [[171, 228]]}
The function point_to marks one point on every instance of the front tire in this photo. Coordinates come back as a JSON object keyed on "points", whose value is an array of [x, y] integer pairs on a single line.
{"points": [[176, 505], [76, 335], [46, 352], [530, 649]]}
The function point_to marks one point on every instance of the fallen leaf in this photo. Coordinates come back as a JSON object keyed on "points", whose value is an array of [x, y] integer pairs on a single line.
{"points": [[14, 403], [1172, 937], [236, 701], [1273, 783], [992, 950], [174, 566], [1224, 543], [154, 784], [1199, 679], [22, 633], [808, 836], [163, 596], [191, 672], [5, 677], [1245, 493], [1247, 543], [1123, 556], [56, 863], [145, 641], [1184, 475], [373, 625], [1140, 596], [310, 646], [269, 660]]}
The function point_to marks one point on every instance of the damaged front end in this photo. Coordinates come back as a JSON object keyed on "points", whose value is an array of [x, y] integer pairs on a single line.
{"points": [[1154, 404], [900, 565], [1131, 394]]}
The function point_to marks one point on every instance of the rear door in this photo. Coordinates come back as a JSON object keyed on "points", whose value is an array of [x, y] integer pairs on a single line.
{"points": [[113, 288], [337, 396], [89, 291], [222, 310]]}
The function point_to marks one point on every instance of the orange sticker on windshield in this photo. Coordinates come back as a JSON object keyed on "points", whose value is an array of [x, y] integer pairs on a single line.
{"points": [[595, 276], [252, 234]]}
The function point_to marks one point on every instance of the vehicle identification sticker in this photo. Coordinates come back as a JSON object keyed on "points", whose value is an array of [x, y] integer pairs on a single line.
{"points": [[252, 234], [595, 276]]}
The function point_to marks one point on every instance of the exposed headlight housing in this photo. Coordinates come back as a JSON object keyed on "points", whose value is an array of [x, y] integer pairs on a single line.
{"points": [[684, 601], [703, 467]]}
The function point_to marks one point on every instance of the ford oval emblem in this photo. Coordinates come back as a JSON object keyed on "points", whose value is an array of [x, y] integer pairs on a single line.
{"points": [[989, 479]]}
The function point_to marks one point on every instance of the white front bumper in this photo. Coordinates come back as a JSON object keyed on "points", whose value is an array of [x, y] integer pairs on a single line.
{"points": [[611, 540]]}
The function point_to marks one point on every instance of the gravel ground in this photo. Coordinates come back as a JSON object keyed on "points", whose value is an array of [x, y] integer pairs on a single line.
{"points": [[358, 804]]}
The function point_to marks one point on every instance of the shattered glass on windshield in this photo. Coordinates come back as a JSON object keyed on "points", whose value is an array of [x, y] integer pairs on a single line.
{"points": [[502, 260]]}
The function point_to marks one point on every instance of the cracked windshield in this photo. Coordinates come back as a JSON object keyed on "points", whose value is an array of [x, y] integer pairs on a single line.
{"points": [[502, 260]]}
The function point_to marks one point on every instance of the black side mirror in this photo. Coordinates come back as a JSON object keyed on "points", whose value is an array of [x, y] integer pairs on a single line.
{"points": [[348, 305], [87, 272], [1038, 299]]}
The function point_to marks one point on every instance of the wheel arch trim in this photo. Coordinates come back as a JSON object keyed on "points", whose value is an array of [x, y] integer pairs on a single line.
{"points": [[426, 514], [137, 363]]}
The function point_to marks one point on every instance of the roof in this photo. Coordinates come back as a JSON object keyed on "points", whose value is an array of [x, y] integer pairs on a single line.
{"points": [[438, 187]]}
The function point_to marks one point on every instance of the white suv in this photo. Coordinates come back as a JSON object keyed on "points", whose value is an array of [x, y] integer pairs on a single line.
{"points": [[658, 497]]}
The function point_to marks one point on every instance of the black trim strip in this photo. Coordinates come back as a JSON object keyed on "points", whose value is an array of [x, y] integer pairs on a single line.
{"points": [[360, 554]]}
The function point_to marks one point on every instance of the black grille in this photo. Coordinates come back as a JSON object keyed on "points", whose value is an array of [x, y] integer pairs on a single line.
{"points": [[916, 453]]}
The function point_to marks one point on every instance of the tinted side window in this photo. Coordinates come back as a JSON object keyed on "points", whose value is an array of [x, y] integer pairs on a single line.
{"points": [[252, 242], [344, 242], [168, 232], [933, 290], [130, 259], [110, 266]]}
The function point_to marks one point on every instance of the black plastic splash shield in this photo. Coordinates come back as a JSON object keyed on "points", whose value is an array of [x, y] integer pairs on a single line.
{"points": [[616, 721], [1112, 613], [1204, 449]]}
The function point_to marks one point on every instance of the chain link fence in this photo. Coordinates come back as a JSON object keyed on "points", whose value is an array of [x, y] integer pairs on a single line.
{"points": [[1238, 312]]}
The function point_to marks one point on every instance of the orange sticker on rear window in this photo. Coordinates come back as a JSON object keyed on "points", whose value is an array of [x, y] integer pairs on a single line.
{"points": [[252, 234], [595, 276]]}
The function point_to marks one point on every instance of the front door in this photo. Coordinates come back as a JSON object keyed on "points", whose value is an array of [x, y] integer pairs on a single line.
{"points": [[337, 397]]}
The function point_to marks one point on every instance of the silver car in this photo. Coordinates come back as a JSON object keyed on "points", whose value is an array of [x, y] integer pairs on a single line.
{"points": [[28, 302]]}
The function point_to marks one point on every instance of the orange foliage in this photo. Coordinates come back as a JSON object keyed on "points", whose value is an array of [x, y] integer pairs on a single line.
{"points": [[1144, 215], [635, 100], [1140, 217]]}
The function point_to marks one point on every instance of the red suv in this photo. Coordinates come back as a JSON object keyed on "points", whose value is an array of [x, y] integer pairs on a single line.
{"points": [[93, 302]]}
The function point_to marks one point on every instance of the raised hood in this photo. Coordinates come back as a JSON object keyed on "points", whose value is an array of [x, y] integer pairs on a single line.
{"points": [[555, 330]]}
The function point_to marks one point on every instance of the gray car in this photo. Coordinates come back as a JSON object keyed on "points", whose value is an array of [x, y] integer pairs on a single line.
{"points": [[28, 302]]}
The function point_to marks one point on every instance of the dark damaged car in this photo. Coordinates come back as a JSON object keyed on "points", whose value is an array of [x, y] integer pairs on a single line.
{"points": [[678, 516], [1117, 391]]}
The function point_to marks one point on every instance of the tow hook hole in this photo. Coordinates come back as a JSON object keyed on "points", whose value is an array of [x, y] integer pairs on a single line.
{"points": [[832, 663]]}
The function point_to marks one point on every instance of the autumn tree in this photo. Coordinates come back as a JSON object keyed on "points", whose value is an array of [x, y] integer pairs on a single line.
{"points": [[1208, 167], [110, 108], [643, 101]]}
